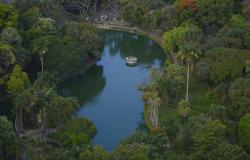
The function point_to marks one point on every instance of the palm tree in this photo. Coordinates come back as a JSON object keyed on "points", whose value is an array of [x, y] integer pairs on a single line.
{"points": [[40, 47], [20, 101], [41, 54], [61, 109], [188, 58], [153, 101], [44, 96], [184, 109]]}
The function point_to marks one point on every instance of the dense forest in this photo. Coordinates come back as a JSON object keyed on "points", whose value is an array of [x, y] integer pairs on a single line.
{"points": [[197, 106]]}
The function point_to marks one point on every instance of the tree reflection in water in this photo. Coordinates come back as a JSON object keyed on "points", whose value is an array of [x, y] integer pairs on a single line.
{"points": [[147, 51], [87, 86]]}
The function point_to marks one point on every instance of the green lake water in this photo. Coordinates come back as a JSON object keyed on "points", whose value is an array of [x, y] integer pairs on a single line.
{"points": [[108, 92]]}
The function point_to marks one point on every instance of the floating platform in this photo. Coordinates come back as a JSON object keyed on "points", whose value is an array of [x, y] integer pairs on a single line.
{"points": [[131, 60]]}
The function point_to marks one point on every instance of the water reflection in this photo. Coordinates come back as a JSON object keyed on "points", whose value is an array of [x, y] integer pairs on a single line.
{"points": [[147, 51], [87, 86]]}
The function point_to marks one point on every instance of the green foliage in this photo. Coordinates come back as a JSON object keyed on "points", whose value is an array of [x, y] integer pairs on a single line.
{"points": [[141, 12], [7, 61], [18, 82], [133, 151], [235, 34], [158, 142], [244, 132], [66, 56], [183, 38], [208, 135], [47, 25], [45, 104], [238, 21], [239, 94], [222, 151], [246, 12], [233, 59], [173, 38], [8, 16], [61, 109], [11, 36], [213, 12], [95, 153], [217, 112], [7, 137], [30, 17], [78, 131], [184, 108], [174, 76]]}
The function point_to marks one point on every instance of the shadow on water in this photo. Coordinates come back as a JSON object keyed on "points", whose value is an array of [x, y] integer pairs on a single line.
{"points": [[87, 86]]}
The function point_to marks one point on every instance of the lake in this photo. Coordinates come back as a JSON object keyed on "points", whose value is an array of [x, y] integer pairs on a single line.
{"points": [[108, 92]]}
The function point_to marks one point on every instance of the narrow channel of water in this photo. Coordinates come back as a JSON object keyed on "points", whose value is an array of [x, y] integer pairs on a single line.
{"points": [[108, 92]]}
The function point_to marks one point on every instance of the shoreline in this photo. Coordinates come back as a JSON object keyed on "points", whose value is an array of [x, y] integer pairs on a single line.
{"points": [[135, 30]]}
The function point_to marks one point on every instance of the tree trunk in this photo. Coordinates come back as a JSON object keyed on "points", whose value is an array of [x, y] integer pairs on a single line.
{"points": [[42, 65], [43, 125], [187, 89], [19, 120], [95, 5]]}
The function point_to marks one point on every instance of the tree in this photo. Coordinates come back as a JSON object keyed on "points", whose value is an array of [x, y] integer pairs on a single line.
{"points": [[222, 151], [30, 17], [134, 151], [7, 138], [7, 59], [60, 110], [16, 85], [47, 25], [217, 112], [11, 36], [173, 39], [234, 59], [68, 56], [40, 47], [95, 153], [239, 95], [80, 6], [184, 109], [139, 12], [18, 81], [188, 58], [208, 135], [77, 131], [248, 67], [213, 12], [189, 50], [153, 103], [172, 81], [43, 96], [210, 143], [8, 16], [187, 9], [244, 132]]}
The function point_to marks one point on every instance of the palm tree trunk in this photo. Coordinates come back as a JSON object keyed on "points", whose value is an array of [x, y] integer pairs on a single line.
{"points": [[43, 117], [187, 89], [41, 59], [19, 120]]}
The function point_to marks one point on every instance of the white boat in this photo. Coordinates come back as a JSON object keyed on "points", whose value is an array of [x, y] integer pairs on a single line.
{"points": [[131, 60]]}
